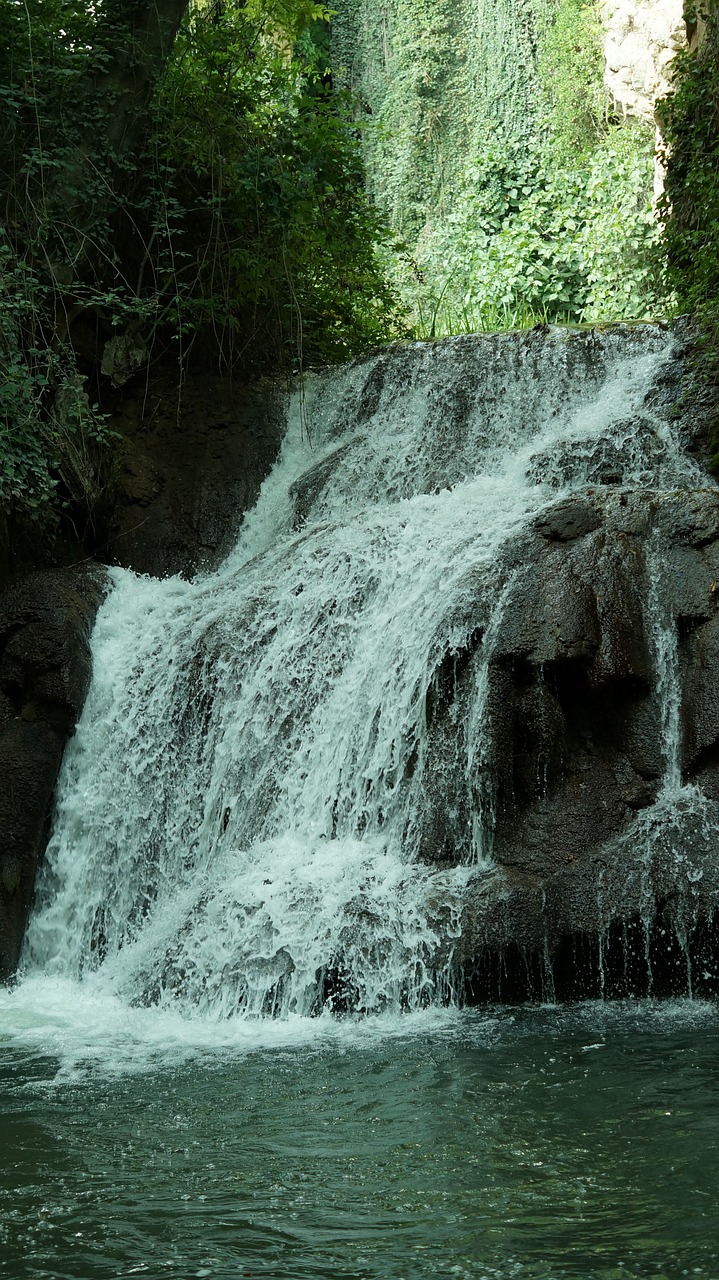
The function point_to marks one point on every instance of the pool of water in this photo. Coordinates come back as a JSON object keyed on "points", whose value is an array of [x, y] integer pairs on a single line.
{"points": [[535, 1144]]}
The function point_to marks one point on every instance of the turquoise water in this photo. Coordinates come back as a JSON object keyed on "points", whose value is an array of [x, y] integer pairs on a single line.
{"points": [[531, 1144]]}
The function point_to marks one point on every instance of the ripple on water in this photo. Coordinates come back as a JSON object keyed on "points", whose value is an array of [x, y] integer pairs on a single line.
{"points": [[518, 1143]]}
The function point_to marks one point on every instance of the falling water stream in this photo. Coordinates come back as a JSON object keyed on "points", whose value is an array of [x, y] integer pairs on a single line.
{"points": [[234, 1047]]}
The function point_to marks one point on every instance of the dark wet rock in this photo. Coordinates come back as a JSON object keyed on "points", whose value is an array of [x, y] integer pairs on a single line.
{"points": [[583, 600], [549, 618], [30, 757], [45, 667], [629, 513], [586, 838], [700, 692], [689, 517], [188, 455], [192, 462], [641, 732], [616, 570], [573, 518], [309, 487], [688, 576]]}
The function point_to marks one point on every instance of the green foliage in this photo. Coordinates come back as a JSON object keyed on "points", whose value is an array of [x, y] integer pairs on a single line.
{"points": [[440, 78], [690, 205], [526, 197], [258, 202], [570, 70], [236, 229], [47, 426], [567, 243], [290, 18]]}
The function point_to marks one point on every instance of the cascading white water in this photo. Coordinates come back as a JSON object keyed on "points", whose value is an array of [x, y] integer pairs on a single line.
{"points": [[242, 815], [659, 831], [666, 660]]}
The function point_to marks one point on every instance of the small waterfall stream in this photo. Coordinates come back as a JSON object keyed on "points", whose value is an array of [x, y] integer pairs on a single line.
{"points": [[666, 657], [242, 825]]}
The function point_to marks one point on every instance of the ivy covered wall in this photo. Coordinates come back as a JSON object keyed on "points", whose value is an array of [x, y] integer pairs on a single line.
{"points": [[491, 144], [690, 122]]}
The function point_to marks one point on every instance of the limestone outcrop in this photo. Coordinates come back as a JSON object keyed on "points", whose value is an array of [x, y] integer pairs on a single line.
{"points": [[641, 40]]}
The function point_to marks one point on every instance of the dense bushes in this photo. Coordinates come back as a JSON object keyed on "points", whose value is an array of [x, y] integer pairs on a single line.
{"points": [[498, 161], [48, 429], [224, 221], [690, 205], [561, 243], [261, 223]]}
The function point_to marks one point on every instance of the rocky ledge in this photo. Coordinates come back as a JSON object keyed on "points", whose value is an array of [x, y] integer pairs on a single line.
{"points": [[603, 708]]}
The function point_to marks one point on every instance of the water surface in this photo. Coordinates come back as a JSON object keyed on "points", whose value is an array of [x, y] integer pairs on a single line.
{"points": [[532, 1144]]}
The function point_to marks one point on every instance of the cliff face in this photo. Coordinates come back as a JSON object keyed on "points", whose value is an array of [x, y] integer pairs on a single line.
{"points": [[472, 632], [595, 751], [641, 40], [605, 746]]}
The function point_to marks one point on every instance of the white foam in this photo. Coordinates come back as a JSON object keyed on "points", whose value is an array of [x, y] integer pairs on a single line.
{"points": [[81, 1027]]}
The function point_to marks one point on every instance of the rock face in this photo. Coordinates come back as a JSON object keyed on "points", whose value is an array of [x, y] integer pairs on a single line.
{"points": [[596, 754], [45, 624], [561, 701], [192, 462], [642, 38], [188, 460], [604, 713]]}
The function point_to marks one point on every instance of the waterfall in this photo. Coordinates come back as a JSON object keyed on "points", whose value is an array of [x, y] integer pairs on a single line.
{"points": [[666, 657], [276, 797]]}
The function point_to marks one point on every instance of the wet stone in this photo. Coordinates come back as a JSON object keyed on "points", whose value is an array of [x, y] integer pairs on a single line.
{"points": [[574, 518]]}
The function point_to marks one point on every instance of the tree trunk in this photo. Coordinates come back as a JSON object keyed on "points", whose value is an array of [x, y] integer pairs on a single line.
{"points": [[149, 27]]}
